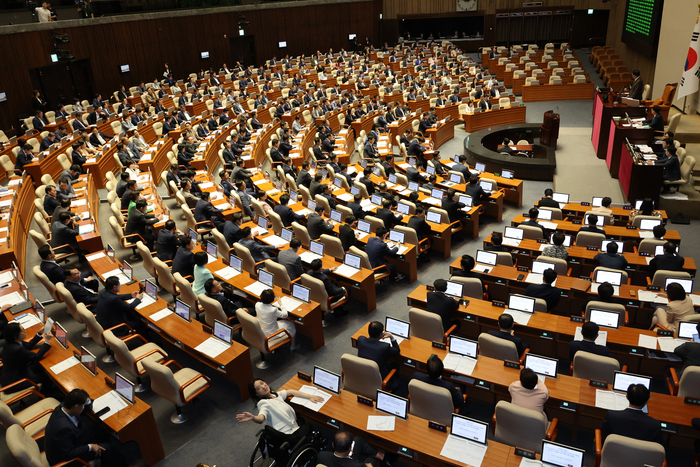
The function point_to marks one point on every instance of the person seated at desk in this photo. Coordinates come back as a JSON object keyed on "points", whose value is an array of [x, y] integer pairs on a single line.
{"points": [[183, 157], [680, 307], [611, 259], [112, 310], [672, 167], [433, 375], [316, 225], [558, 250], [19, 360], [350, 452], [604, 208], [258, 252], [384, 213], [547, 201], [304, 178], [273, 410], [416, 149], [475, 190], [442, 304], [372, 348], [689, 352], [287, 215], [545, 291], [201, 273], [387, 165], [506, 149], [529, 392], [592, 225], [168, 241], [669, 261], [376, 249], [430, 185], [356, 207], [64, 206], [186, 189], [205, 211], [64, 234], [413, 173], [273, 317], [184, 258], [51, 201], [47, 142], [347, 233], [467, 264], [141, 223], [324, 190], [532, 215], [229, 304], [506, 331], [589, 331], [24, 157], [646, 209], [334, 292], [83, 289], [633, 422], [496, 243], [656, 122], [291, 260]]}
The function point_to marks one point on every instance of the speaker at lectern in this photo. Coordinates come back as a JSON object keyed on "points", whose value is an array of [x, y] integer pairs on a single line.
{"points": [[549, 131]]}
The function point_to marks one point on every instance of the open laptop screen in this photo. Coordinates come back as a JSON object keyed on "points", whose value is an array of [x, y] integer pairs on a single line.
{"points": [[266, 277], [468, 428], [124, 387], [300, 292], [560, 455], [434, 217], [462, 346], [512, 232], [649, 224], [182, 309], [397, 327], [608, 319], [542, 365], [327, 380], [688, 330], [615, 278], [561, 197], [622, 381], [486, 257], [454, 289], [509, 174], [392, 404], [353, 260], [686, 283], [223, 331], [520, 303]]}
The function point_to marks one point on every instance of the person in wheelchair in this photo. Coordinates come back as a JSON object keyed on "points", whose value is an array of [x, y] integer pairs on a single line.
{"points": [[350, 452]]}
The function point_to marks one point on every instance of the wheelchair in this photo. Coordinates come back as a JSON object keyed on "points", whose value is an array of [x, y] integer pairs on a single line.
{"points": [[276, 449]]}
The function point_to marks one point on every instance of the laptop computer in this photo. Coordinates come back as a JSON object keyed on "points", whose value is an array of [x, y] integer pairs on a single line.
{"points": [[392, 404], [485, 260], [688, 330], [623, 380], [559, 455], [469, 429], [608, 319], [462, 346], [521, 303], [397, 327], [454, 289], [327, 380], [545, 366]]}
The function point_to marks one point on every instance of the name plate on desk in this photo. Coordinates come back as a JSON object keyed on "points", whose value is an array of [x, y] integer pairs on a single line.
{"points": [[541, 240], [207, 329], [439, 345], [578, 319], [498, 304], [691, 400], [668, 427], [597, 384], [644, 254], [592, 248], [437, 426], [568, 406], [304, 376], [405, 452], [525, 453], [664, 333], [576, 222], [585, 203], [365, 401], [627, 208], [523, 269], [631, 227], [511, 364], [653, 288], [430, 288]]}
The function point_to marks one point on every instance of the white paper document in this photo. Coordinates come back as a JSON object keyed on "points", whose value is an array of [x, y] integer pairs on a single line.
{"points": [[600, 340], [651, 297], [6, 277], [695, 299], [525, 462], [158, 315], [610, 400], [648, 342], [275, 241], [60, 367], [28, 320], [227, 273], [380, 423], [346, 271], [256, 288], [212, 347], [111, 400], [145, 301], [398, 339], [669, 344], [520, 317], [116, 272], [345, 197], [290, 303], [463, 450], [459, 363], [13, 299], [511, 242], [98, 255], [548, 225], [534, 278], [303, 212], [312, 391], [483, 267], [307, 257]]}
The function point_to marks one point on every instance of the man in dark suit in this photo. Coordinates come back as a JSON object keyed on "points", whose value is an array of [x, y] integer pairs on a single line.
{"points": [[356, 208], [505, 323], [506, 149], [205, 211], [532, 220], [304, 177], [184, 258], [50, 200], [286, 213], [367, 181], [496, 243], [168, 240], [611, 259], [416, 150], [376, 249], [656, 122], [112, 310], [140, 223], [47, 142], [592, 225], [548, 201], [372, 348], [413, 174], [173, 175], [258, 252], [214, 290], [689, 352], [388, 168], [62, 233], [232, 228], [545, 291], [316, 225], [417, 222], [290, 259], [637, 86], [461, 167], [633, 422], [38, 121], [671, 164], [669, 261], [19, 360], [333, 290], [346, 232], [441, 304], [24, 157], [384, 213], [315, 187], [589, 331], [433, 376], [485, 104], [82, 291], [451, 206]]}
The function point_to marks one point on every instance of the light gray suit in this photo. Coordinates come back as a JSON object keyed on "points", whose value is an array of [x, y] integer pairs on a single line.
{"points": [[292, 262]]}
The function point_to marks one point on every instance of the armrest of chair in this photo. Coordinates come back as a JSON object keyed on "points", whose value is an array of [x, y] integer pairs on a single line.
{"points": [[522, 357], [77, 459], [56, 248], [571, 368], [648, 281], [627, 318], [552, 430], [169, 262], [267, 339], [172, 362], [456, 225], [16, 383], [134, 235], [383, 266], [35, 418], [196, 393], [388, 377], [672, 381], [24, 394], [493, 424], [568, 272], [257, 265], [134, 336], [121, 325], [235, 327], [210, 225], [449, 331], [598, 447], [422, 242], [148, 354]]}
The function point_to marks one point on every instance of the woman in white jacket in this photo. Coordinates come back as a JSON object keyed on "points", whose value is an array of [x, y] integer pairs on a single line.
{"points": [[273, 316]]}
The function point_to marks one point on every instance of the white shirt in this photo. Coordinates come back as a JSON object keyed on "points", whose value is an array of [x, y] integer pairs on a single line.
{"points": [[43, 14], [278, 414], [268, 316]]}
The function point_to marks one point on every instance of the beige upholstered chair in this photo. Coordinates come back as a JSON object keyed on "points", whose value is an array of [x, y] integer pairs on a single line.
{"points": [[591, 366], [179, 387], [661, 275], [332, 246], [213, 311], [380, 272], [620, 451], [147, 257], [689, 384], [521, 427], [32, 419], [361, 376], [132, 360], [187, 294], [530, 232], [301, 233], [560, 265], [96, 331], [471, 287], [72, 306], [248, 264], [281, 276], [253, 335], [428, 326], [430, 402], [26, 451], [48, 285], [586, 239], [317, 293], [610, 307], [500, 349]]}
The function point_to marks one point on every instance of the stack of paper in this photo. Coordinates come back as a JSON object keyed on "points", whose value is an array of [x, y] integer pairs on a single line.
{"points": [[345, 197], [548, 225], [520, 317], [145, 301], [398, 339], [256, 288], [534, 278], [111, 400], [227, 273], [86, 228], [459, 363], [380, 423], [645, 233], [290, 303], [12, 299], [312, 391], [433, 201], [307, 256], [463, 450], [60, 367], [303, 212], [511, 242], [116, 272], [360, 235], [6, 277], [610, 400], [600, 340], [158, 315], [28, 320], [276, 241], [482, 267], [669, 344], [648, 342], [212, 347], [346, 271], [651, 297]]}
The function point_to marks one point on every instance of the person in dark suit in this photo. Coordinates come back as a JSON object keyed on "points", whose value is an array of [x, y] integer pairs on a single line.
{"points": [[18, 358], [184, 258], [467, 264], [346, 232], [505, 323], [636, 89], [258, 252], [82, 291], [50, 200], [168, 240], [62, 233], [485, 104], [475, 190], [304, 178], [112, 310], [442, 304], [413, 173], [656, 122], [24, 157], [417, 222], [214, 290], [183, 157], [350, 452], [48, 265], [589, 331], [451, 206], [592, 225], [232, 228], [290, 259], [372, 348], [97, 138], [376, 249], [333, 290], [548, 201], [387, 165], [38, 121], [416, 150], [669, 261], [434, 368], [286, 213], [496, 243], [384, 213], [47, 142], [532, 220], [462, 168], [689, 352], [141, 223], [545, 291], [506, 149], [632, 422], [611, 259], [356, 208], [316, 225], [671, 164], [205, 211]]}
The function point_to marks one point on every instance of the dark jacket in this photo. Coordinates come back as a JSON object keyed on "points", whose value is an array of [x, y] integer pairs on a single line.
{"points": [[587, 346], [53, 271], [452, 207], [347, 236], [548, 203], [80, 293], [287, 215], [227, 305], [111, 310], [632, 423], [390, 220], [62, 234], [231, 232], [377, 351], [442, 305], [16, 358], [332, 289], [376, 249], [257, 251], [138, 221], [421, 227], [317, 226], [291, 262], [357, 210], [167, 245], [516, 340], [613, 261], [63, 440], [549, 294], [183, 262], [667, 262]]}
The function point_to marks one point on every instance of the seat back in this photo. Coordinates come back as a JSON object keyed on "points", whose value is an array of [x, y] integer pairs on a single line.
{"points": [[430, 402], [165, 277], [48, 285], [121, 353], [23, 447], [495, 347], [148, 263], [281, 276], [586, 239], [332, 246], [360, 375], [648, 245], [504, 258], [163, 382], [212, 310], [317, 291], [604, 306], [689, 385], [620, 451], [639, 218], [222, 247], [186, 293], [660, 276], [93, 327], [7, 418], [530, 232], [426, 325], [521, 427], [65, 295], [247, 261], [471, 286], [556, 212], [301, 233], [560, 265], [592, 366], [251, 331]]}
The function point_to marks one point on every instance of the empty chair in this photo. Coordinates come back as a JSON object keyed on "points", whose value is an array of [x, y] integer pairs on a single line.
{"points": [[147, 257], [96, 331], [504, 258], [125, 241], [48, 285], [530, 232], [471, 287], [591, 366], [560, 265], [186, 293], [430, 402], [586, 239], [165, 277], [620, 451], [500, 349], [179, 387], [301, 233], [361, 376], [427, 325], [521, 427], [32, 419], [252, 333], [688, 385], [248, 264], [660, 277], [72, 306], [132, 360], [332, 246]]}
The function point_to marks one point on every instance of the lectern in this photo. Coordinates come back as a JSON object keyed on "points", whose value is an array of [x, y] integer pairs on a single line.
{"points": [[549, 132]]}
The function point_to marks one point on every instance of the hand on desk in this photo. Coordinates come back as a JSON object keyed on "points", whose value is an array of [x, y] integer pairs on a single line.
{"points": [[386, 335], [6, 307], [47, 337], [137, 295], [316, 398]]}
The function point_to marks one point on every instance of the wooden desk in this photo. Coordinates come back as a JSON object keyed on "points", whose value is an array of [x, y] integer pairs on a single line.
{"points": [[603, 112], [574, 210], [13, 246], [639, 181], [443, 133], [619, 133], [558, 92], [480, 120], [234, 363]]}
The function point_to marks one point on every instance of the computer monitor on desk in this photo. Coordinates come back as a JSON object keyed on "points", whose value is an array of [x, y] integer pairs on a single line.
{"points": [[397, 327], [392, 404], [559, 455], [649, 224], [622, 381], [468, 428], [434, 217], [615, 278], [125, 388], [454, 289], [462, 346], [542, 365], [300, 292], [327, 380], [521, 303], [561, 198], [688, 330], [607, 319]]}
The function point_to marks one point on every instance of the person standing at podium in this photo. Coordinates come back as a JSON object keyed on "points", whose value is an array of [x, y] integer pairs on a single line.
{"points": [[637, 87]]}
